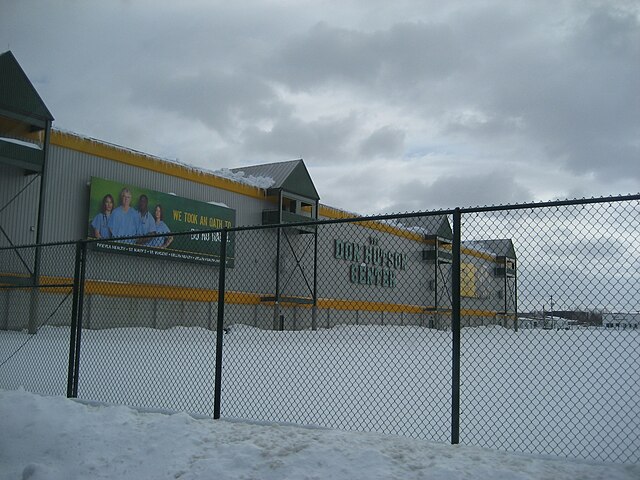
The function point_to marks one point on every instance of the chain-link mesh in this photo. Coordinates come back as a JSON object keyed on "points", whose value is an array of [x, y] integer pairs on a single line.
{"points": [[344, 346], [31, 304], [352, 324], [148, 337], [559, 382]]}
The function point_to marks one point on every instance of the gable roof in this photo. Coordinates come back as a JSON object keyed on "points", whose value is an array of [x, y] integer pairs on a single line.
{"points": [[430, 226], [438, 226], [18, 97], [291, 176], [498, 247]]}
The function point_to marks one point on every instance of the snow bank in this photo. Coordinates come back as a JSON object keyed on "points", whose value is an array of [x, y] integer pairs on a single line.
{"points": [[53, 438]]}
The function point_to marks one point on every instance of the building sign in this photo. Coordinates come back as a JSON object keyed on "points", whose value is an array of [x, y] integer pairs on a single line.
{"points": [[124, 210], [369, 263]]}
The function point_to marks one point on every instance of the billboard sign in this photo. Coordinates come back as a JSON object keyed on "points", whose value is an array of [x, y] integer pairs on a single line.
{"points": [[123, 210]]}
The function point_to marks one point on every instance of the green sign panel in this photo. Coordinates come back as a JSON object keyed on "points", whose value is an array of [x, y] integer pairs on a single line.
{"points": [[123, 210]]}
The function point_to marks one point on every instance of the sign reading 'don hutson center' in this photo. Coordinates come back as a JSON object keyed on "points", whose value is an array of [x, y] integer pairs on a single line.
{"points": [[370, 264]]}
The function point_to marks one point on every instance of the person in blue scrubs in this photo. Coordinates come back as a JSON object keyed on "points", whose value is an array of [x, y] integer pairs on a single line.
{"points": [[160, 227], [123, 221], [145, 221], [100, 223]]}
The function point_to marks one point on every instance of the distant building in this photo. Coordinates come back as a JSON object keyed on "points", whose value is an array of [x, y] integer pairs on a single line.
{"points": [[547, 322], [621, 321]]}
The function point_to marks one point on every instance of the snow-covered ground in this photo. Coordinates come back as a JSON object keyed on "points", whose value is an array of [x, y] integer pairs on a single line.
{"points": [[565, 393], [53, 438]]}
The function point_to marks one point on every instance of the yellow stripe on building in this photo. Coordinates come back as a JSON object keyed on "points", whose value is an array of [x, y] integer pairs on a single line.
{"points": [[115, 153], [148, 162], [61, 285]]}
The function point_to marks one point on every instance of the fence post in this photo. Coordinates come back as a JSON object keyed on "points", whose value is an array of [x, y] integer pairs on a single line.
{"points": [[314, 309], [455, 329], [76, 319], [220, 326]]}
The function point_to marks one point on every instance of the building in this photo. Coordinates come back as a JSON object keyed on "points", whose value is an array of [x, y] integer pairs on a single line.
{"points": [[621, 321], [547, 322], [55, 184]]}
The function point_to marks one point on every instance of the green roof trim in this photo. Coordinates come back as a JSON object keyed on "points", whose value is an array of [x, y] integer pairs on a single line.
{"points": [[299, 182], [442, 227], [18, 97]]}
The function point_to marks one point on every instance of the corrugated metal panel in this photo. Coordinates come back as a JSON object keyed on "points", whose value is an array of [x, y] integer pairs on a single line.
{"points": [[291, 176], [17, 217], [434, 225], [71, 171], [278, 171], [66, 218]]}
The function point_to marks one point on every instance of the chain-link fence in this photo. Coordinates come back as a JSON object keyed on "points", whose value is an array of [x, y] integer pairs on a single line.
{"points": [[512, 327]]}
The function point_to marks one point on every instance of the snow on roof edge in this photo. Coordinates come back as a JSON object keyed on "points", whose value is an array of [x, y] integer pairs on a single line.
{"points": [[226, 173]]}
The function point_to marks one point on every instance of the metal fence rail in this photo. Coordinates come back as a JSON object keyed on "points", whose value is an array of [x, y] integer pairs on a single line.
{"points": [[511, 327]]}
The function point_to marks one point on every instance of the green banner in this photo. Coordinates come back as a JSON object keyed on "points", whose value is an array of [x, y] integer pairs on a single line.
{"points": [[123, 210]]}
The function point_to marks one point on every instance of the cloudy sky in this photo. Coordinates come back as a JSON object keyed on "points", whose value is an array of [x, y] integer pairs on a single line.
{"points": [[394, 106]]}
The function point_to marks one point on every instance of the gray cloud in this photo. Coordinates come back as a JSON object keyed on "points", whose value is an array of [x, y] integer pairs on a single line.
{"points": [[293, 138], [542, 94], [221, 100], [567, 86], [385, 141], [577, 98], [449, 191], [404, 54]]}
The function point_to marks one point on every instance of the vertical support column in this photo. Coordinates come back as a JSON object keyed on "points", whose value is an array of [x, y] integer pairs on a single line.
{"points": [[7, 298], [34, 304], [506, 294], [515, 295], [434, 319], [455, 329], [34, 296], [276, 306], [89, 304], [220, 325]]}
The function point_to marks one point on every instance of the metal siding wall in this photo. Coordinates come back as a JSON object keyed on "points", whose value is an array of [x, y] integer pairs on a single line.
{"points": [[18, 217], [66, 217], [255, 262], [333, 274], [70, 172]]}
